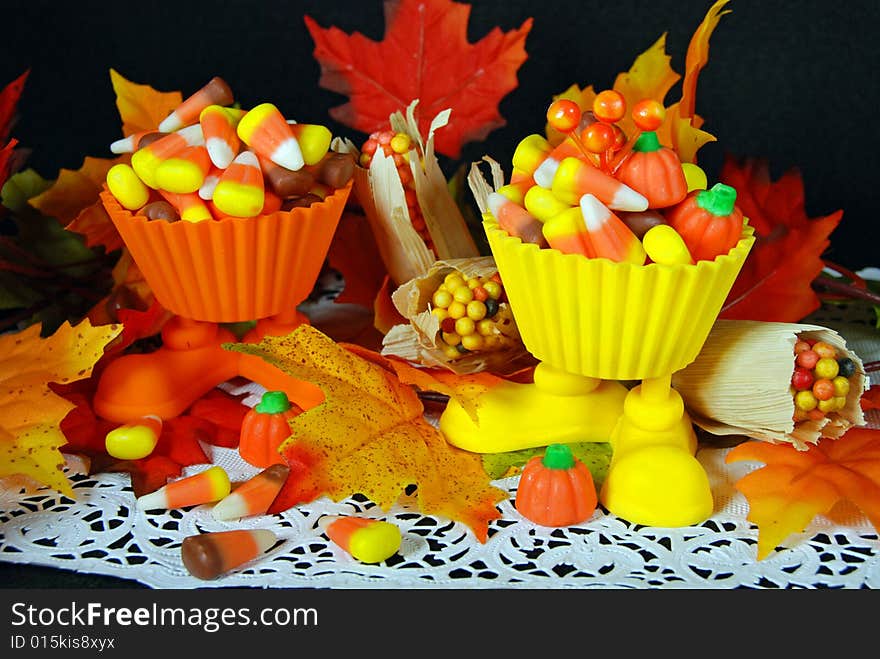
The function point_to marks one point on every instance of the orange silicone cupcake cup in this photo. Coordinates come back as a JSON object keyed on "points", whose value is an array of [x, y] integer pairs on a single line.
{"points": [[233, 269]]}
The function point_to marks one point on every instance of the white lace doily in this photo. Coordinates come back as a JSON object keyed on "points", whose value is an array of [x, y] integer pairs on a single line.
{"points": [[102, 532]]}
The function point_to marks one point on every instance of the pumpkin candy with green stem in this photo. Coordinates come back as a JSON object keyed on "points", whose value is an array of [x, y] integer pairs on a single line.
{"points": [[654, 171], [708, 221], [265, 427], [556, 489]]}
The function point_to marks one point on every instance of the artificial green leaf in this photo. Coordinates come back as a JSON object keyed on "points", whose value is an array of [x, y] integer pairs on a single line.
{"points": [[595, 455], [22, 186]]}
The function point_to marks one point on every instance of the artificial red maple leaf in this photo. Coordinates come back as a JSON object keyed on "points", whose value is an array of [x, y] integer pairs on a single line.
{"points": [[426, 56], [775, 281], [870, 400], [8, 102], [7, 153]]}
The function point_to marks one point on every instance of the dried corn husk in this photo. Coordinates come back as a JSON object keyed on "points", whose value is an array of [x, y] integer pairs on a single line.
{"points": [[381, 194], [740, 382], [419, 341]]}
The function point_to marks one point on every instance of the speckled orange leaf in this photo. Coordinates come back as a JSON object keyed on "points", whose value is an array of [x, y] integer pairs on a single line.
{"points": [[140, 106], [369, 436], [30, 413], [795, 486]]}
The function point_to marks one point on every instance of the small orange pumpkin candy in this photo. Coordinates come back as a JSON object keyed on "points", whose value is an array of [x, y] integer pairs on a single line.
{"points": [[654, 171], [556, 489], [708, 221], [265, 427]]}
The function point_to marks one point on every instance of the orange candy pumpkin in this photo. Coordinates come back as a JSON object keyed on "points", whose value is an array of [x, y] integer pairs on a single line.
{"points": [[556, 489], [265, 427], [654, 171], [708, 221]]}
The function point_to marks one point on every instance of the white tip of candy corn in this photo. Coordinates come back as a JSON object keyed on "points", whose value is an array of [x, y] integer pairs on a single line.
{"points": [[546, 171], [594, 211], [153, 500], [220, 152], [326, 521], [125, 145], [206, 192], [170, 123], [264, 538], [495, 201], [627, 199], [288, 155]]}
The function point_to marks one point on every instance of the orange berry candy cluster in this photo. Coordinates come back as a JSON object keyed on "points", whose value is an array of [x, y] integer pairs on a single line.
{"points": [[400, 147], [820, 382], [474, 315]]}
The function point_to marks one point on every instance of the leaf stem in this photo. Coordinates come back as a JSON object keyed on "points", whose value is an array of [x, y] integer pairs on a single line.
{"points": [[847, 290]]}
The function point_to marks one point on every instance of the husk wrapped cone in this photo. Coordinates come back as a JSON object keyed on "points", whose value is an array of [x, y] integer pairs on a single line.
{"points": [[419, 341], [740, 382], [232, 269], [381, 194]]}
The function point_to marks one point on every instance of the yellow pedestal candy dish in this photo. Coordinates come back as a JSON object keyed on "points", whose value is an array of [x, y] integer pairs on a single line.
{"points": [[591, 322]]}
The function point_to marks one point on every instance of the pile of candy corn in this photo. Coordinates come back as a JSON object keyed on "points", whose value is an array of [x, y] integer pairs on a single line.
{"points": [[603, 194], [210, 160]]}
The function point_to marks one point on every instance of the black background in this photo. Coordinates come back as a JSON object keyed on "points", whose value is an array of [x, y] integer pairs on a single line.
{"points": [[789, 81]]}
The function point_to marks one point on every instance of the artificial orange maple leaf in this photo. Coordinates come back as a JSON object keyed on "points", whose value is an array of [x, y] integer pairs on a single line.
{"points": [[775, 281], [140, 106], [30, 412], [794, 486], [369, 436], [354, 254], [425, 55], [75, 194]]}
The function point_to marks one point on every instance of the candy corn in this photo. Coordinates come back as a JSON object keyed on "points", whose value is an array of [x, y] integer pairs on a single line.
{"points": [[205, 487], [266, 132], [135, 141], [209, 555], [313, 140], [218, 126], [543, 204], [216, 92], [184, 172], [547, 169], [134, 440], [368, 540], [190, 206], [206, 191], [254, 496], [240, 191], [663, 244], [610, 237], [593, 231], [516, 192], [530, 153], [515, 219], [127, 187], [145, 161], [575, 178]]}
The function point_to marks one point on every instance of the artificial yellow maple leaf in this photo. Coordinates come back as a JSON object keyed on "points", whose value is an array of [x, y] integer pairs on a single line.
{"points": [[369, 436], [30, 413], [74, 190], [140, 106], [651, 77], [794, 486]]}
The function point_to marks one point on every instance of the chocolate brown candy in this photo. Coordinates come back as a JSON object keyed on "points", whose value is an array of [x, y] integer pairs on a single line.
{"points": [[304, 201], [336, 169], [160, 210], [640, 222], [288, 183], [149, 138]]}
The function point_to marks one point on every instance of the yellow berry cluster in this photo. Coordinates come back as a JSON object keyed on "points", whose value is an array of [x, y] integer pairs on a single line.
{"points": [[474, 315]]}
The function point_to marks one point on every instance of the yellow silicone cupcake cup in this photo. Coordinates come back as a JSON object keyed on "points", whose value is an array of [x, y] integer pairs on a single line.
{"points": [[233, 269], [615, 321]]}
